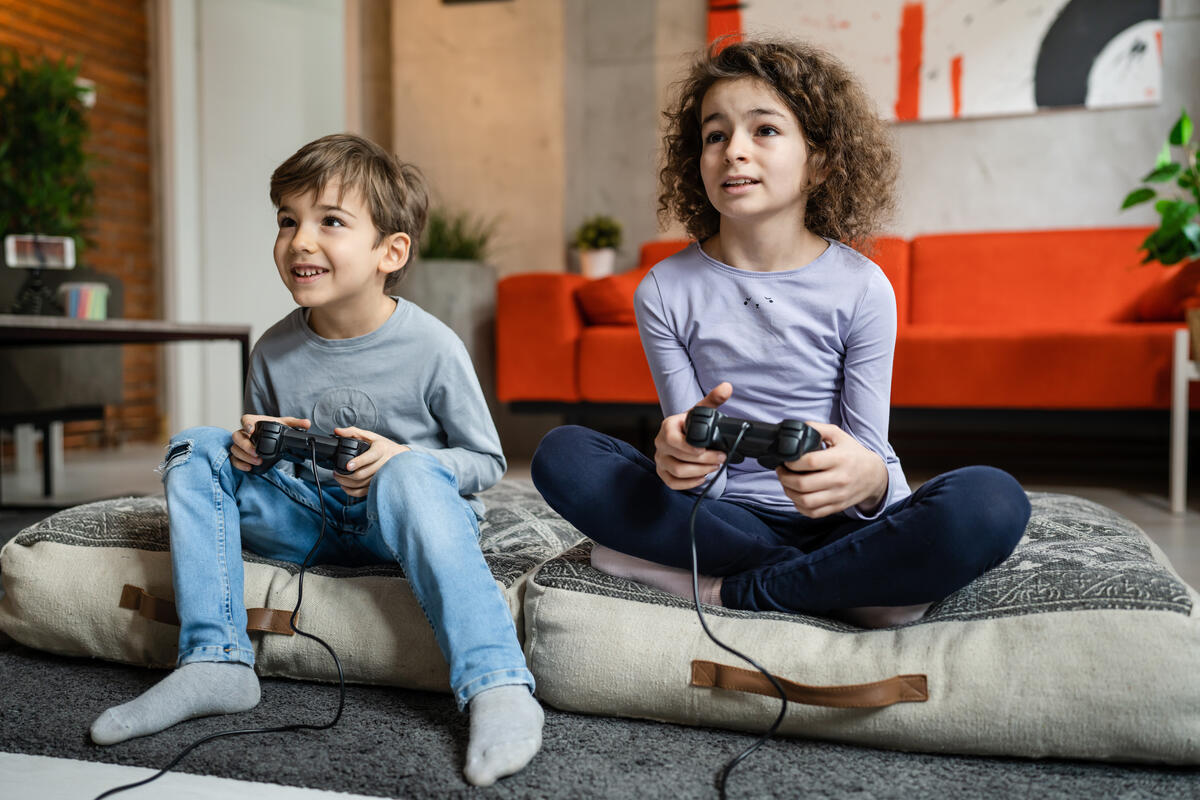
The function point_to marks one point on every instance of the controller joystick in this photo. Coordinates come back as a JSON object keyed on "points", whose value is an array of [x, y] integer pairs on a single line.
{"points": [[771, 444], [273, 440]]}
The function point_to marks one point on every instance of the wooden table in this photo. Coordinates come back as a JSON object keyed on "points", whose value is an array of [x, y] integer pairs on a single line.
{"points": [[18, 330], [22, 330]]}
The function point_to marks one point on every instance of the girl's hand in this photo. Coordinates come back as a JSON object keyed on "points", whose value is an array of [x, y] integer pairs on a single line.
{"points": [[680, 465], [363, 467], [242, 453], [827, 481]]}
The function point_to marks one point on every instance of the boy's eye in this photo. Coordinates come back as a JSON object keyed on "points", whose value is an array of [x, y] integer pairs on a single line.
{"points": [[287, 222], [332, 222]]}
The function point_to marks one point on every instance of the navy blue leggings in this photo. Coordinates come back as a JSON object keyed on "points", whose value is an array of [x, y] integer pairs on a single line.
{"points": [[950, 531]]}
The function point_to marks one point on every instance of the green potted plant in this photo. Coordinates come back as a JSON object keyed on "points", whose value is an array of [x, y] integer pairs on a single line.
{"points": [[456, 235], [1177, 237], [45, 188], [597, 240]]}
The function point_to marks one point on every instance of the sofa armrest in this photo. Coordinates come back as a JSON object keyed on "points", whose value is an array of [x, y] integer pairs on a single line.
{"points": [[538, 326]]}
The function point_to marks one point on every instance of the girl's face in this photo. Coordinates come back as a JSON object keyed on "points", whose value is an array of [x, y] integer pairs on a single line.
{"points": [[753, 160]]}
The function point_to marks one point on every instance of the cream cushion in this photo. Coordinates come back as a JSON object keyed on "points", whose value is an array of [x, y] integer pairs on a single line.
{"points": [[1084, 643], [64, 576]]}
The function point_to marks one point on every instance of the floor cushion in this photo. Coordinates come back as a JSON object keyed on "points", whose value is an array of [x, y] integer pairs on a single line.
{"points": [[95, 580], [1084, 643]]}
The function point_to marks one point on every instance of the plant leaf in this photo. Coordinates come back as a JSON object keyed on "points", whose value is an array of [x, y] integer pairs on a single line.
{"points": [[1181, 133], [1164, 156], [1163, 174], [1191, 232], [1138, 196]]}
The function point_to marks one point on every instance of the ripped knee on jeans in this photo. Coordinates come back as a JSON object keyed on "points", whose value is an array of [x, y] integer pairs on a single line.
{"points": [[178, 454]]}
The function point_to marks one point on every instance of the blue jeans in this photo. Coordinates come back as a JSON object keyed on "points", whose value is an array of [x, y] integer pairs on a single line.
{"points": [[918, 550], [413, 516]]}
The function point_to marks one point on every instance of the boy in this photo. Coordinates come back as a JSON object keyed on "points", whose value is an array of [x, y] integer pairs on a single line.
{"points": [[355, 362]]}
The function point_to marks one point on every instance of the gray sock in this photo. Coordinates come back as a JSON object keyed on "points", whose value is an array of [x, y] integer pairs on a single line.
{"points": [[198, 689], [506, 733]]}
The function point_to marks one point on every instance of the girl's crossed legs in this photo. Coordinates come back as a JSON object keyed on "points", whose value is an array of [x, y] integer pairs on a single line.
{"points": [[950, 531]]}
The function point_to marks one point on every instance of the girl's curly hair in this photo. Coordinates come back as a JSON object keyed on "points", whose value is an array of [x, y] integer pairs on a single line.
{"points": [[849, 146]]}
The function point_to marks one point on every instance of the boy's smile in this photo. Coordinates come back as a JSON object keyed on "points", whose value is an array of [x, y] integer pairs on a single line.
{"points": [[334, 262]]}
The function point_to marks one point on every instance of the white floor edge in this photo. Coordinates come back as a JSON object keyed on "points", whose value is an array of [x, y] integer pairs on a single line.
{"points": [[27, 777]]}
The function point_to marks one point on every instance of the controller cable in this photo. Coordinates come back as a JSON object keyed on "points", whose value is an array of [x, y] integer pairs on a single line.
{"points": [[723, 777], [299, 726]]}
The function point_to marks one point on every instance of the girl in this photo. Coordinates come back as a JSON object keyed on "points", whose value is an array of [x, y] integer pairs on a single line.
{"points": [[775, 163]]}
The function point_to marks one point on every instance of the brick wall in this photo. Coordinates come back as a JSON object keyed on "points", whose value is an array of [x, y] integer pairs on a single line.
{"points": [[109, 40]]}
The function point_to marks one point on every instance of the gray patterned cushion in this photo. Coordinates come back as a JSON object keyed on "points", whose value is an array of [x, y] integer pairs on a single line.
{"points": [[1084, 643], [63, 578]]}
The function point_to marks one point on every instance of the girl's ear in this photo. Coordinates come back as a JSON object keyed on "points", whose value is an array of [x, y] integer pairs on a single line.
{"points": [[817, 172], [397, 249]]}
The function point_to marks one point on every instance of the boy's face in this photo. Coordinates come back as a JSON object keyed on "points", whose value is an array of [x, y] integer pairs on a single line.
{"points": [[753, 157], [328, 250]]}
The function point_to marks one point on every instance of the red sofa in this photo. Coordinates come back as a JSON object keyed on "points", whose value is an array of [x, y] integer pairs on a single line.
{"points": [[1063, 319]]}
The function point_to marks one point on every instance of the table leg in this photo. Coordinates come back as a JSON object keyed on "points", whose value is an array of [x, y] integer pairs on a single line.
{"points": [[1179, 422]]}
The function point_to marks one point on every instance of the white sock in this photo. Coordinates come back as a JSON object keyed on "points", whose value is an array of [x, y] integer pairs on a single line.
{"points": [[197, 689], [669, 579], [506, 733]]}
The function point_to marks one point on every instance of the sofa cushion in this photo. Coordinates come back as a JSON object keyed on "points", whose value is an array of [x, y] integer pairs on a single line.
{"points": [[65, 581], [609, 301], [892, 256], [1029, 279], [1084, 366], [612, 366], [1167, 299], [1082, 644]]}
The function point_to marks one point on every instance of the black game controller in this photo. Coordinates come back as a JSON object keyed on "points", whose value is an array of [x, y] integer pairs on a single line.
{"points": [[771, 444], [273, 440]]}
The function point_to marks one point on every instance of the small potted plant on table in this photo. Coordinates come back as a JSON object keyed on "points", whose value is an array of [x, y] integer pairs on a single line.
{"points": [[1177, 238], [597, 240]]}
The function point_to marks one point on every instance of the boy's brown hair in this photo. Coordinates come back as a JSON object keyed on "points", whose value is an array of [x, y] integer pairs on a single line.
{"points": [[850, 150], [394, 191]]}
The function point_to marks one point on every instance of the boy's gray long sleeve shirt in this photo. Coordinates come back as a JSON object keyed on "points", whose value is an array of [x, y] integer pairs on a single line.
{"points": [[410, 380]]}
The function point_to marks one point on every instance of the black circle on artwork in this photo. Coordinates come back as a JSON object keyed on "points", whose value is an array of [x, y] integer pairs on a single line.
{"points": [[1073, 42], [345, 407]]}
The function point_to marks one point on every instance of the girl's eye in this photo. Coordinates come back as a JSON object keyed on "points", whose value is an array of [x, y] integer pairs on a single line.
{"points": [[712, 137], [767, 130]]}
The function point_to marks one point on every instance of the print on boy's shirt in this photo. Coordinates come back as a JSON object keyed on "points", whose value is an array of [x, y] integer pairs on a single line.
{"points": [[345, 407]]}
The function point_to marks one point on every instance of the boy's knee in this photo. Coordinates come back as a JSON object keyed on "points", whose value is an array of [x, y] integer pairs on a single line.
{"points": [[414, 473], [199, 442]]}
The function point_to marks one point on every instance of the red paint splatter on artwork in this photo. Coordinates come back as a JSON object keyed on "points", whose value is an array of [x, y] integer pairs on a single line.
{"points": [[912, 29], [724, 19], [1158, 42], [956, 85]]}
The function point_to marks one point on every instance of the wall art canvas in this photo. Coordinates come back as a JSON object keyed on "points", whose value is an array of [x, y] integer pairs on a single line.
{"points": [[945, 59]]}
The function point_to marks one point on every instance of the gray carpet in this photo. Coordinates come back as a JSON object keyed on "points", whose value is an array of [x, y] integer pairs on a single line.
{"points": [[399, 743]]}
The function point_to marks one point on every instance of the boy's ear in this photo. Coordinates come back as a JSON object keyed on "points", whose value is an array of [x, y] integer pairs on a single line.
{"points": [[397, 249]]}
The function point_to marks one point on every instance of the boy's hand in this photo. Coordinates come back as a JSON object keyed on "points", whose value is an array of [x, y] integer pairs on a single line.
{"points": [[680, 465], [844, 474], [363, 467], [242, 452]]}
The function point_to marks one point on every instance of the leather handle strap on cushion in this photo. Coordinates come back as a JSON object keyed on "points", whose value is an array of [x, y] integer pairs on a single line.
{"points": [[897, 689], [158, 609]]}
